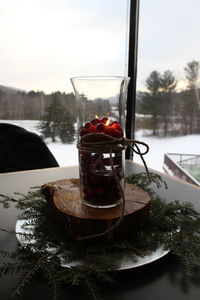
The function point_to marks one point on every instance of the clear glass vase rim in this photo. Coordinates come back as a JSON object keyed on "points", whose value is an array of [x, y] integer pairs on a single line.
{"points": [[100, 78]]}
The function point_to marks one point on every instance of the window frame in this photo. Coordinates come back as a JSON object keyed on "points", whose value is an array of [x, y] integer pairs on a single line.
{"points": [[132, 72]]}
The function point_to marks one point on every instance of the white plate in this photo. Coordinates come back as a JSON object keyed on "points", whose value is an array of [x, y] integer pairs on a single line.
{"points": [[126, 263]]}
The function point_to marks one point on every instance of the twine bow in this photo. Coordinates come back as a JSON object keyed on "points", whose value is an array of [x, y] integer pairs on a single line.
{"points": [[111, 145]]}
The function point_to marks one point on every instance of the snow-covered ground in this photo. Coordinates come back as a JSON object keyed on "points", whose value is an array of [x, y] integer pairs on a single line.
{"points": [[189, 144], [67, 154]]}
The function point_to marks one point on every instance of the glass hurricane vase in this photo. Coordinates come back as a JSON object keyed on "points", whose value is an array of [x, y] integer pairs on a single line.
{"points": [[101, 105]]}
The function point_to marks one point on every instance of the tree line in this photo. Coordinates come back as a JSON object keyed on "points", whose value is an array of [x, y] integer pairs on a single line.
{"points": [[167, 111], [161, 107], [21, 105], [59, 118], [57, 111]]}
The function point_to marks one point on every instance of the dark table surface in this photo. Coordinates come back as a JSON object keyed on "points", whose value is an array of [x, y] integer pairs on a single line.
{"points": [[162, 279]]}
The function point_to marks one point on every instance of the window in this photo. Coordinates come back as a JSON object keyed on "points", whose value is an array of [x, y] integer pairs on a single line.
{"points": [[44, 43], [47, 42], [168, 105]]}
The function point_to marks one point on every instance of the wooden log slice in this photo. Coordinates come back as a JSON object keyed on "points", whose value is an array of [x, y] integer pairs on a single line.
{"points": [[80, 220]]}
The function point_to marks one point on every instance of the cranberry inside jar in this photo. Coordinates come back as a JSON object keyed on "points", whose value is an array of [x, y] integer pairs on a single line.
{"points": [[100, 187]]}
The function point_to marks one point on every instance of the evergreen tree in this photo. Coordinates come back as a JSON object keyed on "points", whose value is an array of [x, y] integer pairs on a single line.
{"points": [[168, 84], [49, 127], [190, 99], [150, 102], [156, 101], [192, 73], [66, 128], [45, 128], [57, 122]]}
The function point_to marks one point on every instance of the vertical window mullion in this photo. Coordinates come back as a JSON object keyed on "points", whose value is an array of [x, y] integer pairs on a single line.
{"points": [[132, 72]]}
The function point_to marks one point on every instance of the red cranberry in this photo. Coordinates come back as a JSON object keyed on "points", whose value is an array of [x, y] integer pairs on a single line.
{"points": [[116, 134], [101, 137], [87, 125], [85, 159], [116, 126], [101, 127], [95, 180], [92, 129], [83, 131], [86, 175], [104, 120], [85, 154], [100, 191], [88, 138], [90, 192], [95, 122], [86, 169], [109, 130]]}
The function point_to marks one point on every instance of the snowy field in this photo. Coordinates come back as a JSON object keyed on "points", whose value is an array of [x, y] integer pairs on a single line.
{"points": [[67, 154], [189, 144]]}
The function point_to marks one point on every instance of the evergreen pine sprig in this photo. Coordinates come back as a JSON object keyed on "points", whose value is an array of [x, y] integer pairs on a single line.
{"points": [[173, 225]]}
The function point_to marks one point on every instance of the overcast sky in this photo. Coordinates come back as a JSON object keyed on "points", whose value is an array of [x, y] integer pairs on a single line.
{"points": [[168, 36], [45, 42]]}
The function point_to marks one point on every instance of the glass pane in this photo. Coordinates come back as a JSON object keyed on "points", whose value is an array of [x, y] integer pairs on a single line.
{"points": [[168, 91], [44, 44]]}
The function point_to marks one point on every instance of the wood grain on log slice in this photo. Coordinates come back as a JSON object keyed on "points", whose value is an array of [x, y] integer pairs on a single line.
{"points": [[81, 220]]}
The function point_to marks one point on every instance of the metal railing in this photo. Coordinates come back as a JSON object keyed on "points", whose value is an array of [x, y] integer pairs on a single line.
{"points": [[176, 165]]}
